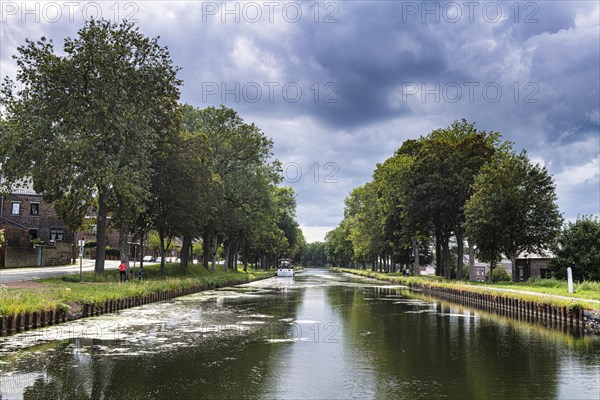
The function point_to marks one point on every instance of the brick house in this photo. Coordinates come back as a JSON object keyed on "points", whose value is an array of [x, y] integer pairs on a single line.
{"points": [[28, 221], [25, 211], [532, 266]]}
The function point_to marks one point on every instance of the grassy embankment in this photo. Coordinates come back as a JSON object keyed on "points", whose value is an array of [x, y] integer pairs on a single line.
{"points": [[65, 291], [583, 291]]}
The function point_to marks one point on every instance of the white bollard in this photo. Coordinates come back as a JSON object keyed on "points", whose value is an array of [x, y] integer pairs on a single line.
{"points": [[570, 279]]}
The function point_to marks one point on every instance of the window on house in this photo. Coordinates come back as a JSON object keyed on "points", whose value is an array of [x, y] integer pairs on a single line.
{"points": [[57, 234], [34, 209], [33, 233], [16, 208]]}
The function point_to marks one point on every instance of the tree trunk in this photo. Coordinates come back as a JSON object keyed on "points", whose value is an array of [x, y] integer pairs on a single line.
{"points": [[513, 261], [471, 259], [438, 255], [205, 250], [446, 257], [460, 253], [235, 255], [213, 250], [142, 248], [101, 232], [185, 251], [123, 243], [227, 255], [162, 253], [415, 244]]}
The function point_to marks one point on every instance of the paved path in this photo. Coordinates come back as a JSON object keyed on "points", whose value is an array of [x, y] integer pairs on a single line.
{"points": [[555, 296], [28, 274]]}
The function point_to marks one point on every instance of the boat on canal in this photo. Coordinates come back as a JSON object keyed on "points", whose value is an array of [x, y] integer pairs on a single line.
{"points": [[286, 268]]}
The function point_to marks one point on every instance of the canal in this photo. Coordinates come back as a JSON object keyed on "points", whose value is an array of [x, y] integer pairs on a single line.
{"points": [[321, 335]]}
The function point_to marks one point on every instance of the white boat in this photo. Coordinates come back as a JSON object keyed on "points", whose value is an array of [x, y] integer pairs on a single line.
{"points": [[286, 268]]}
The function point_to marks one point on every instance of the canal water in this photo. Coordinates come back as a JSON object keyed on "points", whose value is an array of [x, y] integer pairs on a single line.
{"points": [[320, 335]]}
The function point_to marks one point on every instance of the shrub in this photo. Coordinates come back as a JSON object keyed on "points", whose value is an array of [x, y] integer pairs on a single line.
{"points": [[499, 274]]}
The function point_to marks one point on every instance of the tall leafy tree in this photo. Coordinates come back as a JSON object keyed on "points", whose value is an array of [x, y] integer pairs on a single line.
{"points": [[578, 247], [445, 166], [183, 189], [241, 154], [402, 233], [513, 208], [83, 123], [365, 222], [314, 254], [338, 245]]}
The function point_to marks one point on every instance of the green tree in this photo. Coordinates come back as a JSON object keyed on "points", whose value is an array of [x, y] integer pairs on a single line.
{"points": [[314, 254], [338, 245], [578, 247], [405, 237], [83, 123], [445, 165], [183, 189], [513, 209], [365, 224], [241, 154]]}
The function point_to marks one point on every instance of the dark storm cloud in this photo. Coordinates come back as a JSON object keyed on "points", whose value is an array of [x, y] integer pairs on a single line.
{"points": [[390, 71]]}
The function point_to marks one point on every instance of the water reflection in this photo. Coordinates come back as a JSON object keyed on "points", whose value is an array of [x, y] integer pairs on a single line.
{"points": [[320, 335]]}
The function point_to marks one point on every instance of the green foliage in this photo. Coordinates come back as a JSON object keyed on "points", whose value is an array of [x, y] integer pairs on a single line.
{"points": [[314, 254], [513, 208], [197, 250], [499, 274], [417, 194], [578, 247], [92, 115], [1, 237], [102, 114], [338, 245], [251, 214]]}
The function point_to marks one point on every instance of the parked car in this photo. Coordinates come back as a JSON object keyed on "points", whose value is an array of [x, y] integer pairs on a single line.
{"points": [[159, 259], [148, 258]]}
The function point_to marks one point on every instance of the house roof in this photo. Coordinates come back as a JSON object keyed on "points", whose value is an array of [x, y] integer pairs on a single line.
{"points": [[536, 256]]}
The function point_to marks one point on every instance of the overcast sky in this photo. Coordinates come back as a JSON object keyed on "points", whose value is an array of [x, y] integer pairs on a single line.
{"points": [[340, 85]]}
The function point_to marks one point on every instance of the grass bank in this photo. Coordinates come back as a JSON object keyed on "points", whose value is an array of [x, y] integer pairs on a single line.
{"points": [[544, 289], [66, 292]]}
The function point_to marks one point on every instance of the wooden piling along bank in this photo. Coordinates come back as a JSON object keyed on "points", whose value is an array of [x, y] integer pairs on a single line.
{"points": [[11, 324], [574, 319]]}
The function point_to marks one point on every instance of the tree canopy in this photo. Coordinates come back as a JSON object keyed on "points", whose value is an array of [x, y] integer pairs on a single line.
{"points": [[91, 115], [455, 184], [98, 126], [578, 247]]}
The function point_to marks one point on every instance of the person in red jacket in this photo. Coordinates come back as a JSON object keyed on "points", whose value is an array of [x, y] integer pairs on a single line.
{"points": [[123, 271]]}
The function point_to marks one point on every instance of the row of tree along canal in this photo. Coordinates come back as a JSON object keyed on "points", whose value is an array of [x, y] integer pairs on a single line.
{"points": [[157, 166], [457, 183]]}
